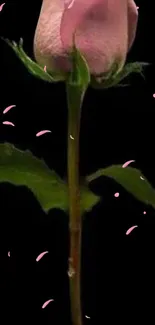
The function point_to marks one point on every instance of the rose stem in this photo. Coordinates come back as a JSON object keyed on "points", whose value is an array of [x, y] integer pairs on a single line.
{"points": [[75, 224]]}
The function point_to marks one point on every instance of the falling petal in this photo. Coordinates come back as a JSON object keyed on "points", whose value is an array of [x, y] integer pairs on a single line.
{"points": [[127, 163], [8, 123], [71, 137], [144, 212], [9, 254], [39, 257], [116, 194], [130, 230], [8, 108], [42, 132], [88, 317], [1, 6], [45, 68], [153, 95], [142, 178], [46, 303]]}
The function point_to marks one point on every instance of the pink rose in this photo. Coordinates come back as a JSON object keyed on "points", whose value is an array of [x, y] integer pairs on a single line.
{"points": [[105, 31]]}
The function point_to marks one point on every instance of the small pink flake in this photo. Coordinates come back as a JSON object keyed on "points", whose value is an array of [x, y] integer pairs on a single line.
{"points": [[8, 108], [45, 68], [137, 7], [40, 256], [1, 6], [42, 132], [8, 123], [144, 212], [127, 163], [46, 303], [153, 95], [9, 254], [130, 229], [116, 194]]}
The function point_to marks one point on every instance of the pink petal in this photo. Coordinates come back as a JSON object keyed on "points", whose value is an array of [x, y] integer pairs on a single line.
{"points": [[42, 132], [45, 68], [132, 22], [46, 303], [130, 230], [8, 108], [144, 212], [116, 194], [101, 31], [69, 3], [127, 163], [153, 95], [8, 123], [9, 254], [39, 257], [1, 6]]}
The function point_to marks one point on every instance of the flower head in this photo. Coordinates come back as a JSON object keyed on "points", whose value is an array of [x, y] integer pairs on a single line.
{"points": [[104, 32]]}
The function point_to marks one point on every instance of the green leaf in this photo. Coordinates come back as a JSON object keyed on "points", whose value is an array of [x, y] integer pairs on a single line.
{"points": [[88, 199], [117, 75], [22, 168], [130, 179], [32, 66]]}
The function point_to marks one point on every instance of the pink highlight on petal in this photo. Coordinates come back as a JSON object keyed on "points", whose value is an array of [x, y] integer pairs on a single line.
{"points": [[42, 132], [137, 7], [46, 303], [9, 254], [116, 194], [45, 68], [127, 163], [1, 6], [40, 256], [8, 123], [144, 212], [153, 95], [8, 108], [130, 230], [69, 3]]}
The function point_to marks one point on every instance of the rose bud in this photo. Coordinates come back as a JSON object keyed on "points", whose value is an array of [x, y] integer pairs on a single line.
{"points": [[104, 32]]}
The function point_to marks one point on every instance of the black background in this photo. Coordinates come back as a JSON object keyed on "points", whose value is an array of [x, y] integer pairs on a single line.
{"points": [[117, 125]]}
